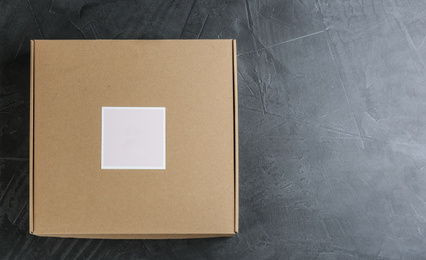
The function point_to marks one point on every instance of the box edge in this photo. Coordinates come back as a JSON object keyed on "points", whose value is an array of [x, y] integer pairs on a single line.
{"points": [[31, 145], [137, 236], [236, 158]]}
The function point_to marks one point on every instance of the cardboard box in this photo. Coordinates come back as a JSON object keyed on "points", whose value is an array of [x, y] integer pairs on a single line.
{"points": [[134, 138]]}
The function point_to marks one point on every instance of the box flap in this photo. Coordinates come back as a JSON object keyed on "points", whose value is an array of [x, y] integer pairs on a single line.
{"points": [[192, 79]]}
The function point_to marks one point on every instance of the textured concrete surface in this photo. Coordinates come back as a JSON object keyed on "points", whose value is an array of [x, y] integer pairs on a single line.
{"points": [[332, 131]]}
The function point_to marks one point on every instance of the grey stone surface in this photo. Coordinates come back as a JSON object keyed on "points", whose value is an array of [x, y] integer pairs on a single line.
{"points": [[332, 99]]}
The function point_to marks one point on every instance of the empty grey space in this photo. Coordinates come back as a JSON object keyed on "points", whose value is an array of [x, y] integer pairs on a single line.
{"points": [[332, 99]]}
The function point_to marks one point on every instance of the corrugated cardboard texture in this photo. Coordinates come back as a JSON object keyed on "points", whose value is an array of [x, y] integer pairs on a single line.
{"points": [[197, 194]]}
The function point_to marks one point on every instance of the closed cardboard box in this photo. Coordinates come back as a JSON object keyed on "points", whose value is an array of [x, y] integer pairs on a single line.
{"points": [[133, 138]]}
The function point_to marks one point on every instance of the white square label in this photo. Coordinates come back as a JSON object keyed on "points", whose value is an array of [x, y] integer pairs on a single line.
{"points": [[133, 138]]}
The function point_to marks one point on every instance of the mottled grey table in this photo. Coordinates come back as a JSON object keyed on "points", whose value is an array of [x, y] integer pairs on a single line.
{"points": [[332, 99]]}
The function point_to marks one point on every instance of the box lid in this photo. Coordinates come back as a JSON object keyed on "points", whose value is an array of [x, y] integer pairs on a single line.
{"points": [[195, 195]]}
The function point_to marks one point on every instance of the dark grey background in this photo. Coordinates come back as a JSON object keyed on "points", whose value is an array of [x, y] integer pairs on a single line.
{"points": [[332, 99]]}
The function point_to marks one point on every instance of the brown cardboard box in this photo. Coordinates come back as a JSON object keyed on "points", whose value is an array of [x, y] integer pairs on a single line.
{"points": [[74, 190]]}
